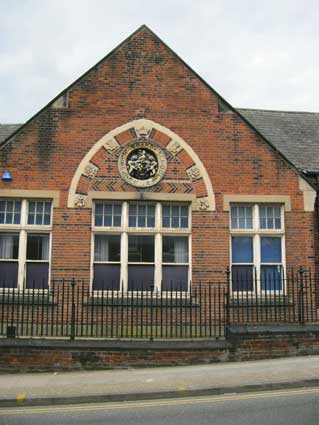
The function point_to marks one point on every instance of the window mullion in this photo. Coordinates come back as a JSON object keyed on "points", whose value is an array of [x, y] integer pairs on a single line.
{"points": [[158, 262], [22, 259]]}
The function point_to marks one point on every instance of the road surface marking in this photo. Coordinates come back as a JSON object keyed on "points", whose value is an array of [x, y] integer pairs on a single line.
{"points": [[158, 403]]}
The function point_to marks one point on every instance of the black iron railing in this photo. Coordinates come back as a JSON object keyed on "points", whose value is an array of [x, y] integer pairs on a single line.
{"points": [[69, 309]]}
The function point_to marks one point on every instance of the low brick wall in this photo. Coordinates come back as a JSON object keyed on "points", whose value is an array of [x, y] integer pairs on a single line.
{"points": [[263, 342], [243, 343]]}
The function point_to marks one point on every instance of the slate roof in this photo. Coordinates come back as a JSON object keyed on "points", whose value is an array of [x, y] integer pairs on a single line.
{"points": [[7, 129], [294, 134]]}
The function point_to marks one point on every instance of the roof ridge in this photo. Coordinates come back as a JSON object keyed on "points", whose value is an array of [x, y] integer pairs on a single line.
{"points": [[277, 110]]}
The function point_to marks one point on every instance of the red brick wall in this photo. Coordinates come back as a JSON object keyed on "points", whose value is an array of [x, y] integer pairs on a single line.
{"points": [[144, 79]]}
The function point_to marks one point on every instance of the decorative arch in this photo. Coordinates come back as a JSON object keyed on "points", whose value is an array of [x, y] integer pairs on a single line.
{"points": [[175, 146]]}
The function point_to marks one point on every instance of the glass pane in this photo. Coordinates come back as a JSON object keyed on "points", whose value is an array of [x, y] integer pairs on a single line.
{"points": [[38, 219], [9, 246], [141, 221], [99, 209], [108, 209], [9, 206], [9, 217], [46, 220], [37, 275], [117, 221], [132, 209], [140, 278], [47, 208], [151, 221], [166, 211], [175, 222], [107, 248], [270, 250], [141, 249], [175, 249], [242, 278], [2, 206], [108, 220], [165, 222], [1, 218], [37, 246], [242, 249], [39, 207], [8, 274], [132, 221], [184, 222], [271, 278], [106, 277], [117, 209], [98, 220], [175, 278]]}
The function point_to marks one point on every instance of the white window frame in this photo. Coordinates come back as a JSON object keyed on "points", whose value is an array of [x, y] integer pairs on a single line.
{"points": [[257, 233], [23, 229], [157, 231]]}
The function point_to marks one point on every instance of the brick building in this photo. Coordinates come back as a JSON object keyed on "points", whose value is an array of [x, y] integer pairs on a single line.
{"points": [[139, 176]]}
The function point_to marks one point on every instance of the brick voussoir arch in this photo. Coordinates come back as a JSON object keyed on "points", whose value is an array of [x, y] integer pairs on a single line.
{"points": [[77, 198]]}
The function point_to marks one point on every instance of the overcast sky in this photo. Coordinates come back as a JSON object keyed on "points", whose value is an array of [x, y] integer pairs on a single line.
{"points": [[256, 54]]}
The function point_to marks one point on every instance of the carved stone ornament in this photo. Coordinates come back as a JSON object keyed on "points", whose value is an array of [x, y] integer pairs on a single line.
{"points": [[80, 201], [174, 147], [111, 145], [142, 163], [193, 173], [203, 204], [90, 170]]}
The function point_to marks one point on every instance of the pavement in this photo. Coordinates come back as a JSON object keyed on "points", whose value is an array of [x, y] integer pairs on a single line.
{"points": [[162, 382]]}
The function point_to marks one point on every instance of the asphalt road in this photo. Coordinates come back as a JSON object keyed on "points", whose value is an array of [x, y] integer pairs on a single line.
{"points": [[293, 407]]}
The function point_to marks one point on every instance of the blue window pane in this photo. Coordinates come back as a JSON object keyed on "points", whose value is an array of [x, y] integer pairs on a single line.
{"points": [[175, 221], [16, 218], [17, 206], [47, 207], [117, 209], [40, 207], [117, 221], [108, 209], [242, 278], [242, 223], [98, 220], [46, 220], [132, 209], [141, 220], [1, 218], [9, 206], [242, 249], [151, 221], [263, 223], [271, 278], [2, 206], [166, 211], [142, 210], [38, 219], [107, 220], [31, 207], [184, 222], [270, 250], [30, 218], [184, 211], [9, 218], [234, 223], [277, 223], [99, 209], [249, 223], [165, 221], [151, 210], [175, 211], [270, 223], [132, 221]]}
